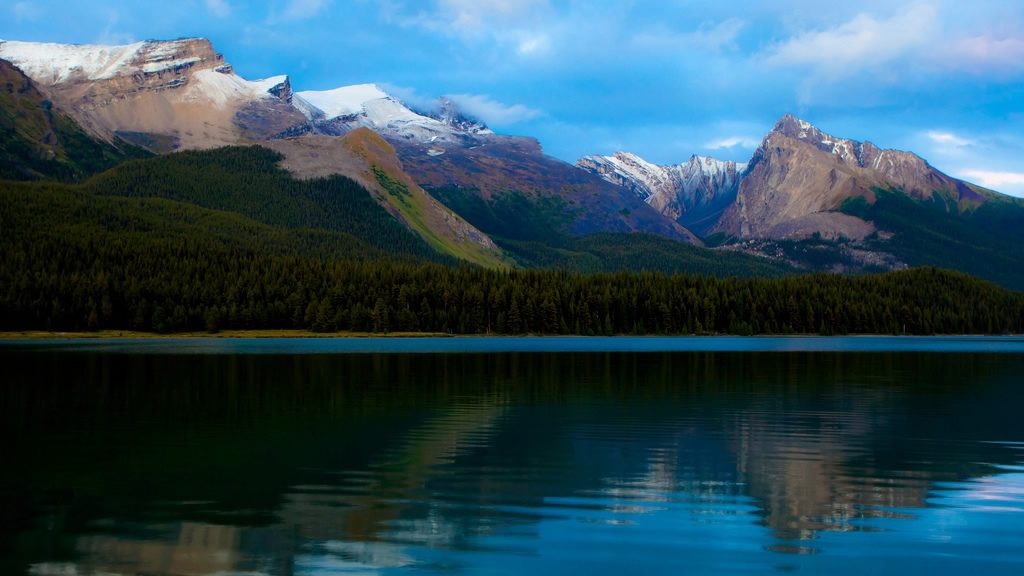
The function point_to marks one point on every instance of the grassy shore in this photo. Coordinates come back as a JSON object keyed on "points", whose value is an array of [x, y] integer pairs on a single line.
{"points": [[108, 334]]}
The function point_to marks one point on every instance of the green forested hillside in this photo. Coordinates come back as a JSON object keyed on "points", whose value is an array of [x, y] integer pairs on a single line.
{"points": [[637, 251], [533, 231], [986, 241], [39, 142], [247, 181], [55, 213]]}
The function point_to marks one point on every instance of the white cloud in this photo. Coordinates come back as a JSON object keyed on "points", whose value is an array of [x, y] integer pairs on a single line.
{"points": [[863, 42], [948, 139], [473, 14], [492, 112], [409, 96], [533, 44], [708, 37], [981, 55], [479, 106], [732, 142], [219, 8], [303, 9], [1011, 183], [520, 26], [994, 180], [24, 11]]}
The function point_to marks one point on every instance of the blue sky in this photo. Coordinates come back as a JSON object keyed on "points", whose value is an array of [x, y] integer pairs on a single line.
{"points": [[665, 79]]}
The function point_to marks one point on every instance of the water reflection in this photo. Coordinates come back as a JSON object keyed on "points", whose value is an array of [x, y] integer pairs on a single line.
{"points": [[159, 464]]}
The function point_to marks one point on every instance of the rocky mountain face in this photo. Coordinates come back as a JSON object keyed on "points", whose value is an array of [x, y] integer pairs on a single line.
{"points": [[497, 167], [162, 95], [341, 110], [790, 189], [693, 193], [799, 176], [367, 158], [819, 202]]}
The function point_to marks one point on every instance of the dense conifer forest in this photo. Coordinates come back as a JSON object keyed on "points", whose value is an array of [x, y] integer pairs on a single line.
{"points": [[208, 241], [178, 284]]}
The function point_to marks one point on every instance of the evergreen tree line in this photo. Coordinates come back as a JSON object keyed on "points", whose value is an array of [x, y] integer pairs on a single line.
{"points": [[174, 284]]}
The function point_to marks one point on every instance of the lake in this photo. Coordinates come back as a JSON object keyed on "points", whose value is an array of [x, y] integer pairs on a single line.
{"points": [[513, 456]]}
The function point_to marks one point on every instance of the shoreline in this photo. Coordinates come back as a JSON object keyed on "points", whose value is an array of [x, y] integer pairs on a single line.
{"points": [[224, 334], [41, 335]]}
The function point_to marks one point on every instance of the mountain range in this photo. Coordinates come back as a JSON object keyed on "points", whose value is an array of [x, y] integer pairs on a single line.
{"points": [[805, 199]]}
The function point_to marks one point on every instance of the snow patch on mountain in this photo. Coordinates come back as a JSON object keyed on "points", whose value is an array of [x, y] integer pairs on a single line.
{"points": [[691, 182], [693, 193], [53, 64], [222, 89], [344, 101], [342, 109]]}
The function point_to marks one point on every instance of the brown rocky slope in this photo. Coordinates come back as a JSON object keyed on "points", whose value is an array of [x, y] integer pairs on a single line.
{"points": [[799, 176]]}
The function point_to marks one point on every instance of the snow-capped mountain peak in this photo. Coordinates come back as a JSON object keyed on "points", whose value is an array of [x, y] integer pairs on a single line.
{"points": [[51, 63], [150, 65], [221, 89], [344, 101], [339, 110], [450, 114], [649, 181], [710, 167], [181, 88], [645, 179], [697, 188]]}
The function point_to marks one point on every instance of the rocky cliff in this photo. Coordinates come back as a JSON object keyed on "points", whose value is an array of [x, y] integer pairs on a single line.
{"points": [[159, 94], [799, 175], [693, 193]]}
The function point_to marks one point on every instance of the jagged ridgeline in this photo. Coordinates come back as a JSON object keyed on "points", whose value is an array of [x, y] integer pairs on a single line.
{"points": [[247, 181]]}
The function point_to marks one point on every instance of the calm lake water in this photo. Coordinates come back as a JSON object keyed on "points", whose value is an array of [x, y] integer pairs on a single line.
{"points": [[513, 456]]}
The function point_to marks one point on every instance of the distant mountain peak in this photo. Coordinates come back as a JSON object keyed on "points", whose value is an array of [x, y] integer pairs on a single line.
{"points": [[335, 112], [692, 193], [158, 94], [342, 101], [800, 175], [794, 127], [54, 63], [849, 151], [451, 114]]}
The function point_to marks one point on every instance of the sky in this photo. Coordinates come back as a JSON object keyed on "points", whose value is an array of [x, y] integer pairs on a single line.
{"points": [[664, 79]]}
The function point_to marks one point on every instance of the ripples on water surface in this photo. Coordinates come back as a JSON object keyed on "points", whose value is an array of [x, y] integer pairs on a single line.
{"points": [[124, 459]]}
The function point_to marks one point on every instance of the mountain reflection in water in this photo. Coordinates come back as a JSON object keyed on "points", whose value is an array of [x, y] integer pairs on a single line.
{"points": [[504, 463]]}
